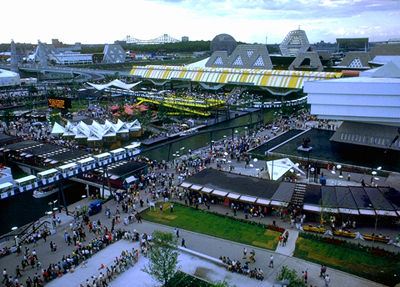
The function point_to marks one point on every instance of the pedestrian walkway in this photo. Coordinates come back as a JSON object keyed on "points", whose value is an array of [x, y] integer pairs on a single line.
{"points": [[290, 246]]}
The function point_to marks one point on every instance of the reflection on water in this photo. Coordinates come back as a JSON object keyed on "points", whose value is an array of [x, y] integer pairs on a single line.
{"points": [[24, 208], [202, 140]]}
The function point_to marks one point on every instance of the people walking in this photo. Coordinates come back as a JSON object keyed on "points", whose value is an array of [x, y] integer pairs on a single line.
{"points": [[327, 280], [183, 242], [271, 261], [244, 253]]}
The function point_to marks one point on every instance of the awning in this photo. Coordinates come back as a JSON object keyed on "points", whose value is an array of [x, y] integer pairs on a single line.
{"points": [[386, 213], [348, 211], [330, 209], [186, 184], [114, 177], [279, 203], [196, 187], [249, 199], [130, 179], [219, 193], [233, 196], [367, 212], [263, 201], [206, 190], [311, 208]]}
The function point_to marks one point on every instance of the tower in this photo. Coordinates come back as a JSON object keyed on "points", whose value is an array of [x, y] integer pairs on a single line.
{"points": [[14, 58]]}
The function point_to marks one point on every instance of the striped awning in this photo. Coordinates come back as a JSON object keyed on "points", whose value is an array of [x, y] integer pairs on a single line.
{"points": [[256, 77]]}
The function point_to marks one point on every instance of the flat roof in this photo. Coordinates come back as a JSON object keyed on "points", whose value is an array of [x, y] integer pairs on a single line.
{"points": [[127, 168], [236, 183], [312, 195], [46, 172]]}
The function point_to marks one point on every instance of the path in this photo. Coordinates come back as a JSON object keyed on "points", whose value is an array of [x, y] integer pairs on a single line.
{"points": [[290, 246]]}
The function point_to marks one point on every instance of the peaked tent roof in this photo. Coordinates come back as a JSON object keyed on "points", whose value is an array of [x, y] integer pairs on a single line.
{"points": [[115, 83], [279, 167], [57, 129], [389, 70]]}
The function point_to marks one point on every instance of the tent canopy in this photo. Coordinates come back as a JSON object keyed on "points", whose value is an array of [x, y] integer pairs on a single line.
{"points": [[115, 83], [279, 167], [57, 129]]}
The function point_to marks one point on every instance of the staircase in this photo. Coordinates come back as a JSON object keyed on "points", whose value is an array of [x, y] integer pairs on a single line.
{"points": [[298, 194]]}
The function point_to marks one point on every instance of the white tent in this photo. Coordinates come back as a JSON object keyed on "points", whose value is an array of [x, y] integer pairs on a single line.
{"points": [[115, 83], [278, 167], [95, 131], [134, 126], [69, 130], [82, 130], [57, 129]]}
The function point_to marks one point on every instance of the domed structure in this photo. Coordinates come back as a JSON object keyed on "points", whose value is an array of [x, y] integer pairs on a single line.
{"points": [[223, 42]]}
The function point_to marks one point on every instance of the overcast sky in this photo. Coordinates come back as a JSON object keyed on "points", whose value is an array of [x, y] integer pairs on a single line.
{"points": [[100, 21]]}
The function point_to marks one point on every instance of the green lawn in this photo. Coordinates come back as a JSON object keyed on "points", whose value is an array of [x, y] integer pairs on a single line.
{"points": [[376, 268], [207, 223]]}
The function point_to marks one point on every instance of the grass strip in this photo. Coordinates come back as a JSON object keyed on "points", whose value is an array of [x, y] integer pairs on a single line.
{"points": [[207, 223], [376, 268]]}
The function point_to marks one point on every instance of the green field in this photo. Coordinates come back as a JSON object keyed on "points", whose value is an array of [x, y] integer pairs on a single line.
{"points": [[366, 265], [207, 223]]}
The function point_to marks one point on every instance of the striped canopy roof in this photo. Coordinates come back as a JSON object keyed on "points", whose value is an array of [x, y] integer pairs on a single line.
{"points": [[256, 77]]}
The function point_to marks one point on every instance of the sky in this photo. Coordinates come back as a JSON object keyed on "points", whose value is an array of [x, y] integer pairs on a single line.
{"points": [[251, 21]]}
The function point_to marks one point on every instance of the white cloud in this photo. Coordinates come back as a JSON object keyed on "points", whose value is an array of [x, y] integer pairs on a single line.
{"points": [[100, 21]]}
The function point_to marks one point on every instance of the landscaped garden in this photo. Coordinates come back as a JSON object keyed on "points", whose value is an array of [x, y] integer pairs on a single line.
{"points": [[372, 263], [214, 224]]}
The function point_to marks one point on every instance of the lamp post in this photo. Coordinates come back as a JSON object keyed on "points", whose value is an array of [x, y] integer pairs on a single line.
{"points": [[312, 172]]}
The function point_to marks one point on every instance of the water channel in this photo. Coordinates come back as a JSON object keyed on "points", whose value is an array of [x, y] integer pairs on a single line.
{"points": [[183, 146]]}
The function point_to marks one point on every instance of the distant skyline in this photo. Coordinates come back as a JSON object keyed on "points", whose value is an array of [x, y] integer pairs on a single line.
{"points": [[100, 21]]}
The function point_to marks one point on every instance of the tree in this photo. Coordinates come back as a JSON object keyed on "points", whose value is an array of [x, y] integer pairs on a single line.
{"points": [[163, 262], [291, 275]]}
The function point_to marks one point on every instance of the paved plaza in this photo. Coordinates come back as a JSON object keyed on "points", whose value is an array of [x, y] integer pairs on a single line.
{"points": [[203, 244]]}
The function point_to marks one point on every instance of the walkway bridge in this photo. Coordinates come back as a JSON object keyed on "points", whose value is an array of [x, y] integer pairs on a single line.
{"points": [[56, 176]]}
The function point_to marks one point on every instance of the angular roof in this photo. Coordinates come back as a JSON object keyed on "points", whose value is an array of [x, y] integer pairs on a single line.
{"points": [[57, 129], [115, 83]]}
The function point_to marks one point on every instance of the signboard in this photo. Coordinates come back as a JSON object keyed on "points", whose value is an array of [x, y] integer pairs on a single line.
{"points": [[61, 103]]}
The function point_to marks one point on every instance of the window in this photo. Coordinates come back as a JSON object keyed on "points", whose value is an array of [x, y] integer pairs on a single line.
{"points": [[218, 61], [259, 62], [355, 63], [249, 53], [238, 61]]}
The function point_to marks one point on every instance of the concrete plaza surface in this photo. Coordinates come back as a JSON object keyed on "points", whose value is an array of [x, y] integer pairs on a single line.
{"points": [[204, 244]]}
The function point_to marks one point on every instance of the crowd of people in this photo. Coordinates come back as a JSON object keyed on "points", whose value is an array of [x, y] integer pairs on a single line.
{"points": [[20, 96], [243, 268]]}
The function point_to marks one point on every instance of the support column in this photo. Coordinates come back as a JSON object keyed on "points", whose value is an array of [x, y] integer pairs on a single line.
{"points": [[169, 151], [61, 190]]}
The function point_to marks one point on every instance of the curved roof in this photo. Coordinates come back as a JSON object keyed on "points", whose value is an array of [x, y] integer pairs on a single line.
{"points": [[256, 77], [223, 42], [8, 78]]}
